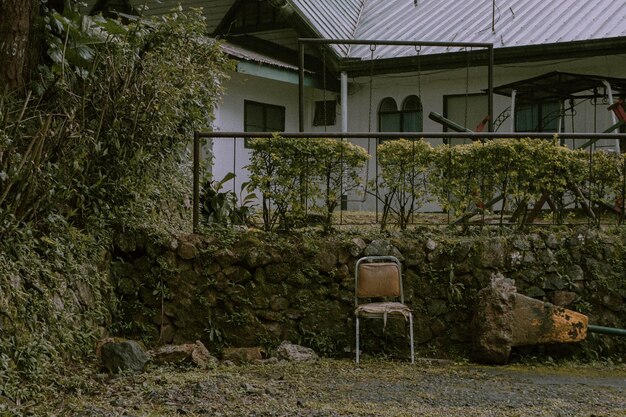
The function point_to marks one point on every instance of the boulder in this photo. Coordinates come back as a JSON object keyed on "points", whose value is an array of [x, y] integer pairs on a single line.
{"points": [[120, 355], [503, 319], [295, 353]]}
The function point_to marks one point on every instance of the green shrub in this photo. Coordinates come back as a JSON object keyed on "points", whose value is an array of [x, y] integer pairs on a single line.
{"points": [[402, 181], [294, 175]]}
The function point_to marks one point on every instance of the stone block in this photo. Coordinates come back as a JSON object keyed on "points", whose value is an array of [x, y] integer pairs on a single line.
{"points": [[503, 319]]}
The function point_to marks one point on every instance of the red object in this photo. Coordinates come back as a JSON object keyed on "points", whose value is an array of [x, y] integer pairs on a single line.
{"points": [[618, 109], [481, 125]]}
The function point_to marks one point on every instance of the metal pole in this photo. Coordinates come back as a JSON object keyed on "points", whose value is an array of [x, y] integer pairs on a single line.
{"points": [[513, 98], [415, 135], [393, 42], [344, 101], [196, 181], [606, 330], [490, 87], [301, 88]]}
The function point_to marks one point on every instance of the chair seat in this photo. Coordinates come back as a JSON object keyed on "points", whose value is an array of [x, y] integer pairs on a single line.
{"points": [[383, 310]]}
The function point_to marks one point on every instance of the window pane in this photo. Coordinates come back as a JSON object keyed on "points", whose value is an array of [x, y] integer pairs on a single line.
{"points": [[412, 103], [388, 104], [526, 118], [390, 122], [275, 119], [325, 113], [550, 113], [412, 121], [254, 117]]}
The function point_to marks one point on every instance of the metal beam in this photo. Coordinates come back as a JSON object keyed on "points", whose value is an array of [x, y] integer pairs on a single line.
{"points": [[415, 135]]}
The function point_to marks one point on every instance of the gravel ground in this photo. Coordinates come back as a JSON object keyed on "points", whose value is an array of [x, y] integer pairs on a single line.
{"points": [[340, 388]]}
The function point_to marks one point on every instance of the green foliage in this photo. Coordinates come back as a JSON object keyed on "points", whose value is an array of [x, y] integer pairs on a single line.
{"points": [[466, 177], [607, 177], [222, 207], [293, 175], [105, 138], [402, 180], [335, 167], [100, 144]]}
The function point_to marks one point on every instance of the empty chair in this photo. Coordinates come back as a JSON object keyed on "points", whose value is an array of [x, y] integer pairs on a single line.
{"points": [[380, 276]]}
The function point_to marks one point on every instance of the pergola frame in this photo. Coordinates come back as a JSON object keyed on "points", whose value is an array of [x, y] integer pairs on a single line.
{"points": [[302, 42]]}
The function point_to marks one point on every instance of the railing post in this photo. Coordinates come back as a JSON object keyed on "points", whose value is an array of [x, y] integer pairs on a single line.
{"points": [[490, 87]]}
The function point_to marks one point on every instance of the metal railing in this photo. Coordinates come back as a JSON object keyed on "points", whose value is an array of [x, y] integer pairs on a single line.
{"points": [[576, 139]]}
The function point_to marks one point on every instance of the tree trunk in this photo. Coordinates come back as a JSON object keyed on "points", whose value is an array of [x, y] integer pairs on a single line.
{"points": [[16, 40]]}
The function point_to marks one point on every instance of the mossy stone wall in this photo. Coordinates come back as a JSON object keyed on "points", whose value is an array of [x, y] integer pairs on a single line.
{"points": [[251, 288]]}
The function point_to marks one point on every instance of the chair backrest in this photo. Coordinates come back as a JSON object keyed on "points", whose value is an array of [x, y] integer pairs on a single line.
{"points": [[378, 276]]}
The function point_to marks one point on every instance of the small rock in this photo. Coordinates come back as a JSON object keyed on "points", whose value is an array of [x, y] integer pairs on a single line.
{"points": [[295, 353], [382, 247], [187, 250], [279, 303], [535, 292], [563, 298], [612, 301], [195, 353], [431, 245], [242, 355], [357, 245]]}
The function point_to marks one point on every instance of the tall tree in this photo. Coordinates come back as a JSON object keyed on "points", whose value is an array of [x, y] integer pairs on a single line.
{"points": [[17, 38]]}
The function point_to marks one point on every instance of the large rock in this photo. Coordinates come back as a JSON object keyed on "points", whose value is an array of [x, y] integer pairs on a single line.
{"points": [[503, 319], [492, 323], [121, 355], [295, 353], [190, 353]]}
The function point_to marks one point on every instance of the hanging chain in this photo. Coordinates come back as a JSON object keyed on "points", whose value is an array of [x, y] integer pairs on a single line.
{"points": [[419, 73], [372, 49], [324, 85]]}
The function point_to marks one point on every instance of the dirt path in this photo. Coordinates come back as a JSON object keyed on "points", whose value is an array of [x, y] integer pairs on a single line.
{"points": [[339, 388]]}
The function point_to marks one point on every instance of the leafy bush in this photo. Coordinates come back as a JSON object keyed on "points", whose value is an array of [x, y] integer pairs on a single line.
{"points": [[468, 177], [402, 179], [606, 183], [293, 175]]}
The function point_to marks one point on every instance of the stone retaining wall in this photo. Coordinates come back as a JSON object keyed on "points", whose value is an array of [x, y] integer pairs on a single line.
{"points": [[256, 289]]}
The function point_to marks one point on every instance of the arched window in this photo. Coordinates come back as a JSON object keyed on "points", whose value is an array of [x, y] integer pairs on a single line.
{"points": [[412, 114], [388, 116], [407, 119]]}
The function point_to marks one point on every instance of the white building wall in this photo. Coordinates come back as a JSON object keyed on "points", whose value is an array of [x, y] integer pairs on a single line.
{"points": [[230, 155], [431, 87]]}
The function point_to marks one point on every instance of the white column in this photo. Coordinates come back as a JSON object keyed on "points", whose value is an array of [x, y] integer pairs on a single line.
{"points": [[613, 117]]}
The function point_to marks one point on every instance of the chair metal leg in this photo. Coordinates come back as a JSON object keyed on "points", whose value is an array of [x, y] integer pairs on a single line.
{"points": [[411, 335], [357, 339]]}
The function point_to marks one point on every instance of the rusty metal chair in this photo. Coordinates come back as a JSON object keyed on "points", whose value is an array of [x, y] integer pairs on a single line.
{"points": [[380, 276]]}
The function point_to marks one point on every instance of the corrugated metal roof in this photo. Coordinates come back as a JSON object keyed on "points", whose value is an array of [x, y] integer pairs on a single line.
{"points": [[517, 22], [333, 19], [248, 55]]}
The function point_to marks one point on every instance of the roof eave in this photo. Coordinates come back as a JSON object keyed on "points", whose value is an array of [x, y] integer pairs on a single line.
{"points": [[503, 55]]}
